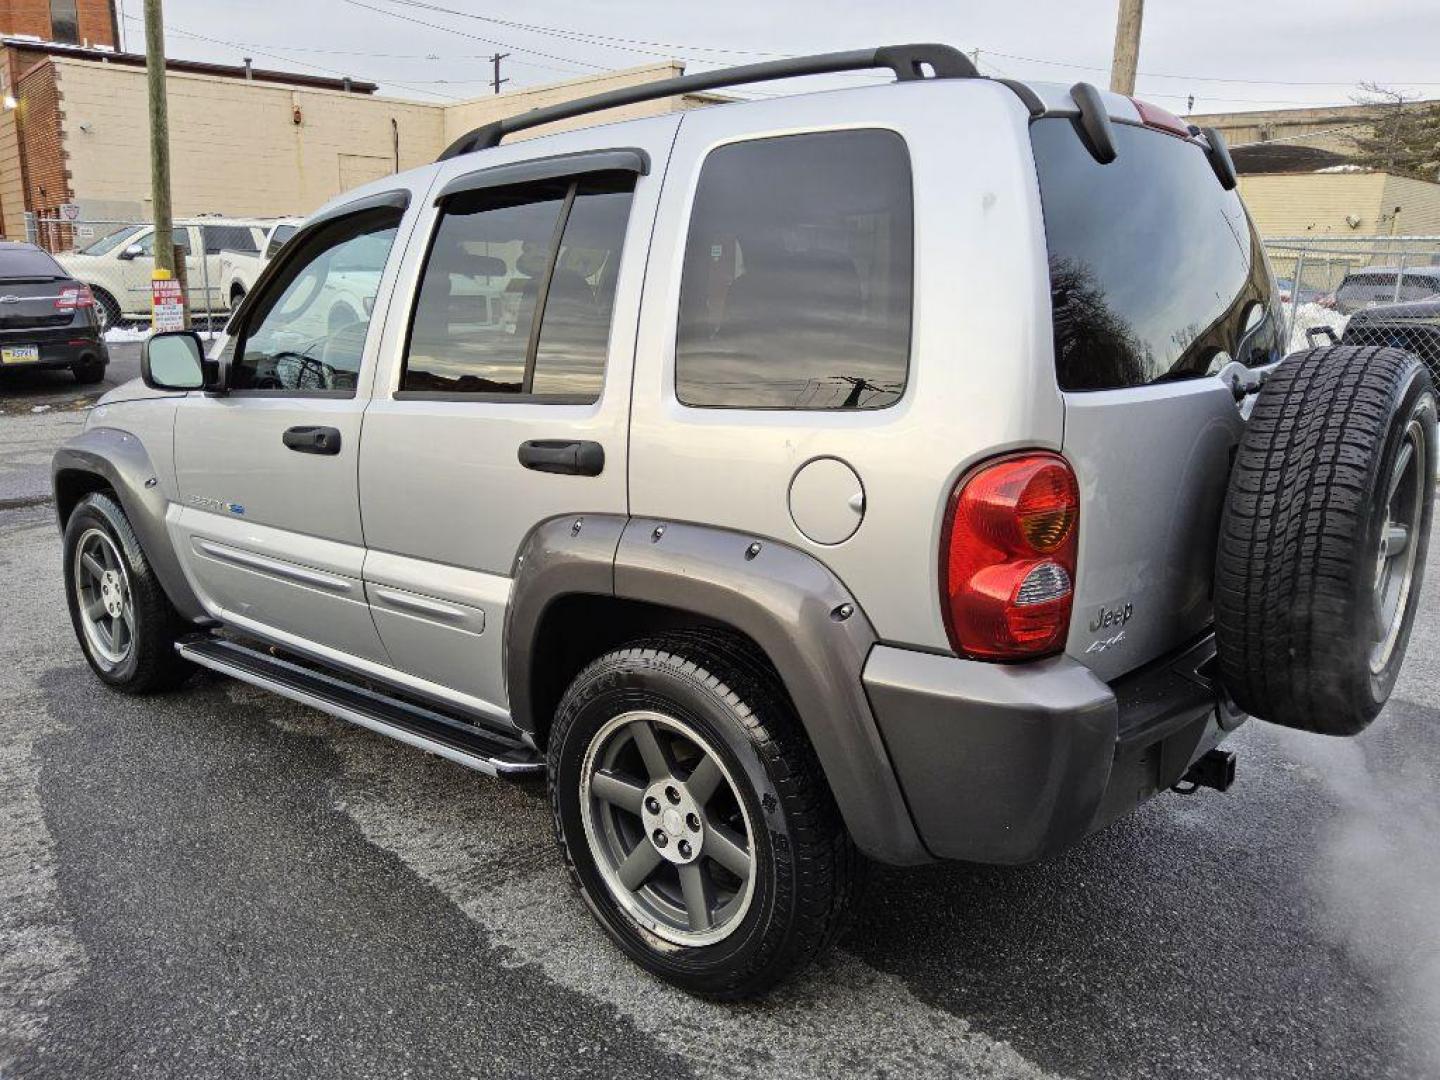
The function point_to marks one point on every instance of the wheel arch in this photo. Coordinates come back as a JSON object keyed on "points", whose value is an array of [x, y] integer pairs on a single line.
{"points": [[107, 459], [588, 583]]}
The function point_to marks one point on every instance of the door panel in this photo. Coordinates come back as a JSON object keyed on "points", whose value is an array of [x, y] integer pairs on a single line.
{"points": [[270, 528], [445, 499]]}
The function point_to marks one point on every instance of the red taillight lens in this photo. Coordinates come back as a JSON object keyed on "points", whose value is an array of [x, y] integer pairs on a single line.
{"points": [[74, 296], [1007, 560]]}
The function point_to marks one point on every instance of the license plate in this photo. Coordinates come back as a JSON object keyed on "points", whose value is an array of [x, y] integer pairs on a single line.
{"points": [[20, 354]]}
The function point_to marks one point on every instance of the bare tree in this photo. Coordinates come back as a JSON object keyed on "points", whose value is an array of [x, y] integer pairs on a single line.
{"points": [[1406, 141]]}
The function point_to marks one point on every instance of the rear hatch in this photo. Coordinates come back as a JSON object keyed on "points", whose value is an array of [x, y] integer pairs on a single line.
{"points": [[30, 290], [1158, 283]]}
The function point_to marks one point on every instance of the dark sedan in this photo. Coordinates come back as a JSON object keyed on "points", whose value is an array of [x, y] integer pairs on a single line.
{"points": [[47, 318]]}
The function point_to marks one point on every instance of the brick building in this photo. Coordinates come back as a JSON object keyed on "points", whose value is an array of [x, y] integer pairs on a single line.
{"points": [[66, 22]]}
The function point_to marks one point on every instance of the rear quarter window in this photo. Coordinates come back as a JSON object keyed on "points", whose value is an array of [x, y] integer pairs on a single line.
{"points": [[796, 290], [1155, 270]]}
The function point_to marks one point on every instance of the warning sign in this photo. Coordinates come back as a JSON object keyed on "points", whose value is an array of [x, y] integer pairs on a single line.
{"points": [[69, 211], [167, 303]]}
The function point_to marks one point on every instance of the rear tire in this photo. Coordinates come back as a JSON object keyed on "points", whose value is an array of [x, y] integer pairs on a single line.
{"points": [[122, 618], [88, 372], [107, 309], [1324, 536], [777, 893]]}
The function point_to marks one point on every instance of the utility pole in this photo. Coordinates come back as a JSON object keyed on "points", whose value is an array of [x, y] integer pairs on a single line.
{"points": [[159, 136], [495, 79], [1127, 46]]}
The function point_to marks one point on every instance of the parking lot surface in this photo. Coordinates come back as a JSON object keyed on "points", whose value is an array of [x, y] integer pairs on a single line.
{"points": [[217, 883]]}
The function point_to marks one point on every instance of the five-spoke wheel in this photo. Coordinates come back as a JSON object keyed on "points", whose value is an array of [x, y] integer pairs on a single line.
{"points": [[693, 814], [102, 590], [668, 830]]}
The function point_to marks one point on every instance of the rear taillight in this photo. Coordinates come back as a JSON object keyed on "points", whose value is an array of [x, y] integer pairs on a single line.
{"points": [[1007, 557], [74, 296]]}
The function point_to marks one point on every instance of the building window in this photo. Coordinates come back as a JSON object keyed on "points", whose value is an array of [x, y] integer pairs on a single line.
{"points": [[64, 23]]}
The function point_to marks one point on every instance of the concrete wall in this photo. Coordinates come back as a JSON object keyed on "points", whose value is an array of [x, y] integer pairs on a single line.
{"points": [[1301, 204], [235, 148], [1317, 204], [466, 115], [234, 145], [1242, 128]]}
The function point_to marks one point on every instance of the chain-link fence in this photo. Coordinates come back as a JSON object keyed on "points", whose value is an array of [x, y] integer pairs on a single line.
{"points": [[1327, 280], [221, 258]]}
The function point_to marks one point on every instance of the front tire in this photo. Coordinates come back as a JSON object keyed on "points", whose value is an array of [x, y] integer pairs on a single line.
{"points": [[88, 372], [122, 618], [694, 818]]}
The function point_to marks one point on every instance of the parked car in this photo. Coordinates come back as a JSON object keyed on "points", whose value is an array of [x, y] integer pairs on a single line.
{"points": [[898, 473], [239, 269], [118, 267], [1385, 285], [1307, 294], [47, 318], [1414, 327]]}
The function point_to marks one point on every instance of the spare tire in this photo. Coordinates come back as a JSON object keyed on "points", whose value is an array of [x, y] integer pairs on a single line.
{"points": [[1323, 539]]}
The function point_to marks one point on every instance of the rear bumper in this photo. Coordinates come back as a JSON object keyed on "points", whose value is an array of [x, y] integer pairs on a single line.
{"points": [[60, 346], [1008, 763]]}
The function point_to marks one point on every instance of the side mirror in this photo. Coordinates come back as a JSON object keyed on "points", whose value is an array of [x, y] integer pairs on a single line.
{"points": [[131, 251], [176, 361]]}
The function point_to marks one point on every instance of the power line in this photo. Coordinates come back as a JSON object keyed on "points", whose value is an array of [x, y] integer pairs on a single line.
{"points": [[290, 59]]}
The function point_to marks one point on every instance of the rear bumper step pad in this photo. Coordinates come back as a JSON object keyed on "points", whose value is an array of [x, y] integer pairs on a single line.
{"points": [[403, 720]]}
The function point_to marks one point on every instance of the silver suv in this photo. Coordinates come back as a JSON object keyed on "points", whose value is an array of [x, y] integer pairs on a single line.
{"points": [[898, 473]]}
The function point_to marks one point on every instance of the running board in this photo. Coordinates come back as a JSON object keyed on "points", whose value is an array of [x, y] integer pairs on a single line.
{"points": [[406, 721]]}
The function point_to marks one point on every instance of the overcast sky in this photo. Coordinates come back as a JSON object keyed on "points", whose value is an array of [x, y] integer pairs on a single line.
{"points": [[1230, 54]]}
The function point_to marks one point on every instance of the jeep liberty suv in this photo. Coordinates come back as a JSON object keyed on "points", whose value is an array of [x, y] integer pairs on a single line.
{"points": [[897, 473]]}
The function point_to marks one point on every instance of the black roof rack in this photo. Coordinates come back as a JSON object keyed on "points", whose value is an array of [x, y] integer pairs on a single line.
{"points": [[906, 61]]}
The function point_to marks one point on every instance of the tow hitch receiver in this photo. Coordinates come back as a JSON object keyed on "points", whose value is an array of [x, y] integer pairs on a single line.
{"points": [[1215, 769]]}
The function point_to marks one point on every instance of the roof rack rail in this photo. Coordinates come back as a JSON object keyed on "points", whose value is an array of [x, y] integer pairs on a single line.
{"points": [[906, 61]]}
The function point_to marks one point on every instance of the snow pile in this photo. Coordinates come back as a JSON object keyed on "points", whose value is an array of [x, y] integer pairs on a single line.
{"points": [[1310, 316], [127, 332]]}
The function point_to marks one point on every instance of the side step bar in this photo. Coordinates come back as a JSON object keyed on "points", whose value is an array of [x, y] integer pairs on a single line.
{"points": [[406, 721]]}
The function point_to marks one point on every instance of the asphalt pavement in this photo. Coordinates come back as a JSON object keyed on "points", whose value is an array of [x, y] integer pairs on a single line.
{"points": [[217, 883]]}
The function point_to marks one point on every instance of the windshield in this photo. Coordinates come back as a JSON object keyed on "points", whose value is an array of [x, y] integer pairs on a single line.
{"points": [[109, 243]]}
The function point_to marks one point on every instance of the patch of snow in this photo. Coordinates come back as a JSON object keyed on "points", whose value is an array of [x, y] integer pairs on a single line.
{"points": [[42, 408], [119, 335], [1310, 316]]}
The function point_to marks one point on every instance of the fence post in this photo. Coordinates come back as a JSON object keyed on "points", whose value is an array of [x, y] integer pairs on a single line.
{"points": [[1399, 277], [205, 283], [1295, 288]]}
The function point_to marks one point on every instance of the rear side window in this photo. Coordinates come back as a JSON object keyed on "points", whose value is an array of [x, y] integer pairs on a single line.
{"points": [[1379, 287], [229, 238], [180, 235], [1155, 272], [27, 262], [518, 290], [796, 291]]}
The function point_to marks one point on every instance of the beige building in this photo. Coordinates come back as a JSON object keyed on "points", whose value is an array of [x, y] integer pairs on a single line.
{"points": [[242, 142], [1295, 180]]}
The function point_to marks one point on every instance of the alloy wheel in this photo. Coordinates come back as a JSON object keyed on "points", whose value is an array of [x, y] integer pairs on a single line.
{"points": [[102, 589], [667, 828], [1398, 549]]}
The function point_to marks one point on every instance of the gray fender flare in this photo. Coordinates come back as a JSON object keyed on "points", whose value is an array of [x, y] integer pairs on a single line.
{"points": [[784, 600], [119, 458]]}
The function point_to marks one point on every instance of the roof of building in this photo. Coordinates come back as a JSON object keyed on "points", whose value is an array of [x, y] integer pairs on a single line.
{"points": [[194, 67]]}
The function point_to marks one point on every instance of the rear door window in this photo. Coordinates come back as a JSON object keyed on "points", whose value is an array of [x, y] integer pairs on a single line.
{"points": [[518, 290], [1155, 270], [796, 289]]}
